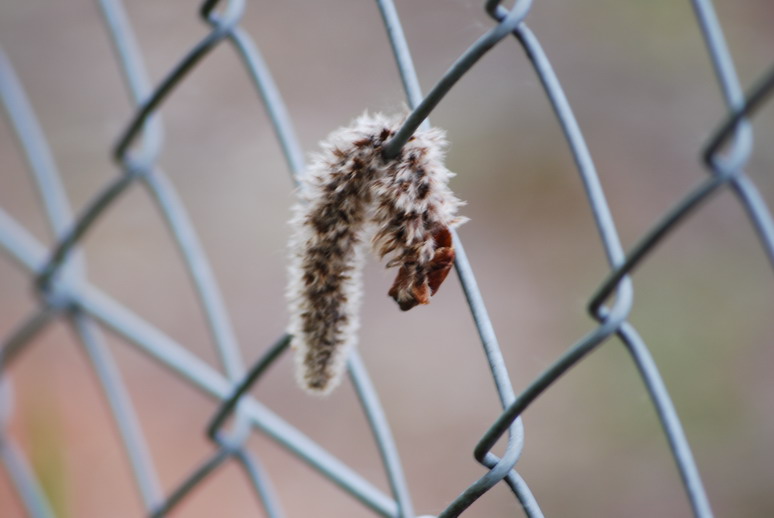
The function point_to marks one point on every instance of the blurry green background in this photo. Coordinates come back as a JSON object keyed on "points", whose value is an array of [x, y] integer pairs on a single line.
{"points": [[639, 79]]}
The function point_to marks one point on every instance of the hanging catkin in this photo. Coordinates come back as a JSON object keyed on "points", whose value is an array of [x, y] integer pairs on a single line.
{"points": [[349, 194]]}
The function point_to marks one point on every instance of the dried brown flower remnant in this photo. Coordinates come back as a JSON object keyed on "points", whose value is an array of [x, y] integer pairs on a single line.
{"points": [[349, 190], [415, 284]]}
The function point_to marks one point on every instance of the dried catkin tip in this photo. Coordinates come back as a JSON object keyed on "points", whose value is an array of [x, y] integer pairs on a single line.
{"points": [[350, 192]]}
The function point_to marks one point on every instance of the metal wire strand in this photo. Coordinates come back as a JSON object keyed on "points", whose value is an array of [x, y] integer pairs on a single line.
{"points": [[24, 480], [189, 484], [469, 285], [741, 148], [255, 372], [24, 333], [59, 215], [29, 254], [261, 483]]}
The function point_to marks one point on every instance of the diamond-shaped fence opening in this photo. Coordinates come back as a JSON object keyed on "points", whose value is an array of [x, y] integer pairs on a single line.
{"points": [[177, 202]]}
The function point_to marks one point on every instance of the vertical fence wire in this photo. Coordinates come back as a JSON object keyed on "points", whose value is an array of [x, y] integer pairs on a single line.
{"points": [[64, 290]]}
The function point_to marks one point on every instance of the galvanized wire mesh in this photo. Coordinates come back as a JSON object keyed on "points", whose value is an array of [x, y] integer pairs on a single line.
{"points": [[65, 291]]}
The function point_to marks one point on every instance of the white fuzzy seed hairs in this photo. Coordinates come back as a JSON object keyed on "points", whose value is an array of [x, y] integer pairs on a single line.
{"points": [[348, 193]]}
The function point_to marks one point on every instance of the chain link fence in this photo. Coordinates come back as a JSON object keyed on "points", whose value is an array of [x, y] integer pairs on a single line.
{"points": [[65, 291]]}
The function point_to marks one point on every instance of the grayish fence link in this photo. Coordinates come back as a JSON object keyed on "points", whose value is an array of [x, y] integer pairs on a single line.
{"points": [[24, 333], [23, 478], [722, 176], [450, 78], [178, 73], [462, 265], [36, 152], [59, 271], [121, 407], [60, 216], [38, 155], [745, 190], [524, 494], [724, 69], [198, 475], [135, 75], [261, 483], [400, 50], [669, 420], [378, 422], [173, 210], [12, 458], [90, 216], [256, 371], [272, 100], [754, 100]]}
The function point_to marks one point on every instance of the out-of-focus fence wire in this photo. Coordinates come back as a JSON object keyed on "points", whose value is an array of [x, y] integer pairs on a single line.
{"points": [[65, 292]]}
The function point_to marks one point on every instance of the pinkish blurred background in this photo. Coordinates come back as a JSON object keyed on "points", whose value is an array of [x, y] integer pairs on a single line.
{"points": [[640, 82]]}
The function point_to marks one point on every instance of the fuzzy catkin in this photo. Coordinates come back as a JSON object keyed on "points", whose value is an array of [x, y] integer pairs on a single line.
{"points": [[350, 192]]}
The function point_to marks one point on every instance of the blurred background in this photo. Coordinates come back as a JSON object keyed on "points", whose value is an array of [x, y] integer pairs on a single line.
{"points": [[639, 79]]}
